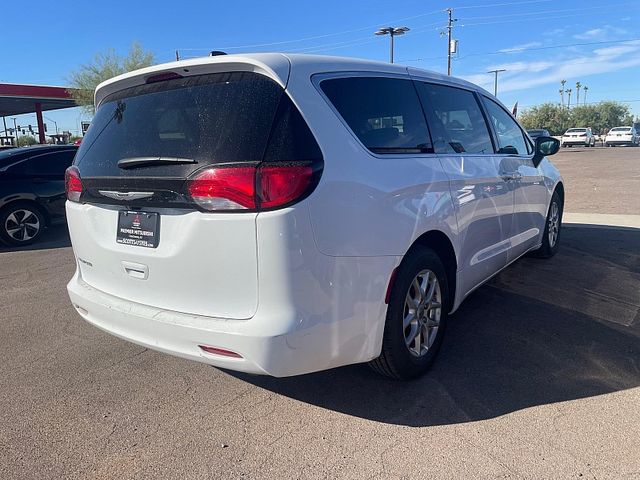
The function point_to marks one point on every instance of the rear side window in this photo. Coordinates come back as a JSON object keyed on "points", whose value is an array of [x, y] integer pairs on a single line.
{"points": [[210, 119], [456, 121], [291, 139], [384, 113], [46, 165], [509, 134]]}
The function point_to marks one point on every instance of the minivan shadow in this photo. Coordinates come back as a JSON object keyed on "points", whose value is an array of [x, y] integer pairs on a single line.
{"points": [[542, 331], [56, 236]]}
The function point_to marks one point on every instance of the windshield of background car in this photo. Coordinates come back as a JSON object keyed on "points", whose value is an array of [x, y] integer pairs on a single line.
{"points": [[211, 119], [577, 130], [621, 129]]}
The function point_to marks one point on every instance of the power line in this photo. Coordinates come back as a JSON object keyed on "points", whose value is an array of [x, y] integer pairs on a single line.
{"points": [[368, 27], [554, 11], [541, 18], [549, 47], [315, 37], [502, 4]]}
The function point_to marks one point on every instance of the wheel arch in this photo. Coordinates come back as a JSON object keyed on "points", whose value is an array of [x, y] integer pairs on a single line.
{"points": [[441, 244], [560, 189]]}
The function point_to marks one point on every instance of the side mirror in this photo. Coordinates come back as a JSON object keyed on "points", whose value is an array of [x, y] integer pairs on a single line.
{"points": [[545, 146]]}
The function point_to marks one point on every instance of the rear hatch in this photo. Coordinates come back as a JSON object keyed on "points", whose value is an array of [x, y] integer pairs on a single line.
{"points": [[167, 184]]}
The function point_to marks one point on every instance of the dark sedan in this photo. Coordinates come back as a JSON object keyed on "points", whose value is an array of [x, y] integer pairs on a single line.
{"points": [[538, 132], [32, 190]]}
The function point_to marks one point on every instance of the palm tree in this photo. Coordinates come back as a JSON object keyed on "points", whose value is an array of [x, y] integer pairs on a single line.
{"points": [[561, 97], [578, 86], [584, 89], [568, 90], [562, 82]]}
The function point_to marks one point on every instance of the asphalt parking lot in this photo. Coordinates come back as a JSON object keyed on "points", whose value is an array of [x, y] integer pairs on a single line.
{"points": [[539, 377]]}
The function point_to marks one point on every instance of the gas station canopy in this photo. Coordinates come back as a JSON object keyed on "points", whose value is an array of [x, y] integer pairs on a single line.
{"points": [[17, 99]]}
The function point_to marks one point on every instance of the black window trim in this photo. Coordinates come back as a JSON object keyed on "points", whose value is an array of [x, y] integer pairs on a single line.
{"points": [[481, 106], [318, 78], [525, 135]]}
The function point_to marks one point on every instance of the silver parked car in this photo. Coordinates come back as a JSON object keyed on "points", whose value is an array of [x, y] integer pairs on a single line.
{"points": [[579, 137]]}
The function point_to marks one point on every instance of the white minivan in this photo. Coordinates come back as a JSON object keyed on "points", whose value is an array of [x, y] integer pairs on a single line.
{"points": [[284, 214]]}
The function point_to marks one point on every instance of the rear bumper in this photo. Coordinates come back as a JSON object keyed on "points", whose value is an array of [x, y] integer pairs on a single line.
{"points": [[619, 142], [261, 341], [575, 142]]}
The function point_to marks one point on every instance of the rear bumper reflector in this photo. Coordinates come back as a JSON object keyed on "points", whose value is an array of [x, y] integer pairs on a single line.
{"points": [[219, 351]]}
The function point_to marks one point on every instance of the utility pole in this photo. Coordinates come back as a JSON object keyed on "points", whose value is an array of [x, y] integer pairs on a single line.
{"points": [[449, 29], [392, 32], [495, 82]]}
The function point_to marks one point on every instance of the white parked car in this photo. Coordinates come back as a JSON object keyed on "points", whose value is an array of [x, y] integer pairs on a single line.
{"points": [[622, 136], [578, 137], [284, 214]]}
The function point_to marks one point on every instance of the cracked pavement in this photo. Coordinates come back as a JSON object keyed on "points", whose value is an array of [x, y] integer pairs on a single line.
{"points": [[538, 377]]}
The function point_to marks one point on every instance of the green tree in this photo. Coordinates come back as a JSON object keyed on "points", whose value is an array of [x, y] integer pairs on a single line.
{"points": [[25, 141], [103, 67], [550, 116], [601, 117]]}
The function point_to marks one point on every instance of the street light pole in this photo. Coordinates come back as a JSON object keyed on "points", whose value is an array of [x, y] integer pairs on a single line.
{"points": [[392, 32], [495, 82]]}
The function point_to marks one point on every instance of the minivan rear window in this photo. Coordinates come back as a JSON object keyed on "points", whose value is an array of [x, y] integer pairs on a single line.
{"points": [[210, 119]]}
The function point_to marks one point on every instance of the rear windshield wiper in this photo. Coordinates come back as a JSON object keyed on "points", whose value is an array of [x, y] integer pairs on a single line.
{"points": [[133, 162]]}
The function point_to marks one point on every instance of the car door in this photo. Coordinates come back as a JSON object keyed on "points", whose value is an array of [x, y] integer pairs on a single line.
{"points": [[45, 175], [483, 199], [515, 155]]}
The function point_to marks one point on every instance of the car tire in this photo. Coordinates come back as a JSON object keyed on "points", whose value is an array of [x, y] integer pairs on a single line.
{"points": [[553, 224], [21, 223], [414, 314]]}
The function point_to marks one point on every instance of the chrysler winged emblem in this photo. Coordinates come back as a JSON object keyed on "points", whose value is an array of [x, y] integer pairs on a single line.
{"points": [[125, 195]]}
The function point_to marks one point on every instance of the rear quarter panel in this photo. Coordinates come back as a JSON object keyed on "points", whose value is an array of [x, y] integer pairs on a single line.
{"points": [[367, 204]]}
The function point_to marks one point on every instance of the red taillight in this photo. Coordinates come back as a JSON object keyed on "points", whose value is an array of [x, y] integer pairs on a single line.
{"points": [[234, 188], [282, 185], [72, 184], [225, 188], [219, 351]]}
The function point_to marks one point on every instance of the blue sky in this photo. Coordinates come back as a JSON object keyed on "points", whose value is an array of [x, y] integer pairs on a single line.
{"points": [[538, 42]]}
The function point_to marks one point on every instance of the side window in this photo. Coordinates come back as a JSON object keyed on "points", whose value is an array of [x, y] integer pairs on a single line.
{"points": [[510, 135], [49, 164], [384, 113], [456, 120]]}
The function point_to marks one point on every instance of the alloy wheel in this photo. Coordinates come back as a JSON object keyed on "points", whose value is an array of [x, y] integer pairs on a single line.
{"points": [[22, 225], [554, 224], [422, 313]]}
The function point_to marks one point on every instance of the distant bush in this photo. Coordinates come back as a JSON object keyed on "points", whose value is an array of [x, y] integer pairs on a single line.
{"points": [[25, 141], [601, 117]]}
